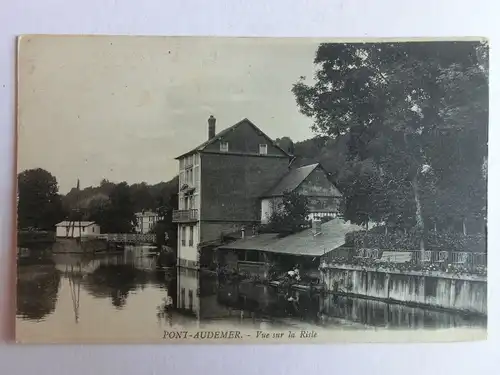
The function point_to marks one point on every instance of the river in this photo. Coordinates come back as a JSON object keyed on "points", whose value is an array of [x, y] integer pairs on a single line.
{"points": [[119, 298]]}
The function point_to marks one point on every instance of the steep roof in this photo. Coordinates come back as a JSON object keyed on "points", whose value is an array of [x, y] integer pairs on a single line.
{"points": [[291, 180], [75, 223], [302, 243], [226, 131]]}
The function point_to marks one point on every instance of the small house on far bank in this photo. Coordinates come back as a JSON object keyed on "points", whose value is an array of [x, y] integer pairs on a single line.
{"points": [[256, 253], [77, 229], [311, 181], [145, 221]]}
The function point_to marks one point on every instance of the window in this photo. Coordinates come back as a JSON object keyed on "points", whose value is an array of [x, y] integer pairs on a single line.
{"points": [[224, 146], [189, 176], [252, 256], [183, 240], [263, 149], [191, 236]]}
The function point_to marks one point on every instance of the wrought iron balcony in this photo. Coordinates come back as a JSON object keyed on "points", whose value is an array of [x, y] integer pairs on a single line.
{"points": [[184, 216]]}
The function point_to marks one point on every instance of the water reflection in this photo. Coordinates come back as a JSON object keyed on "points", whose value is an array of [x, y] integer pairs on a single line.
{"points": [[115, 294], [115, 282], [37, 290]]}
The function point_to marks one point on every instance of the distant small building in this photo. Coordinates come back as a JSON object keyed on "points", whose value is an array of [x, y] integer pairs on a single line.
{"points": [[146, 221], [76, 229], [311, 181]]}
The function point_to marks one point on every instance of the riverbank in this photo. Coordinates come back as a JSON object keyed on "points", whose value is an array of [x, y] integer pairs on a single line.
{"points": [[72, 245], [33, 272]]}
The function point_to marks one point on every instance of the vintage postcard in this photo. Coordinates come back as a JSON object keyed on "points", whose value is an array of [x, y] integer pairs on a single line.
{"points": [[242, 190]]}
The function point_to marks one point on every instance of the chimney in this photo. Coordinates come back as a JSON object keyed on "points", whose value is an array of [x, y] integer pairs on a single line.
{"points": [[316, 227], [211, 127]]}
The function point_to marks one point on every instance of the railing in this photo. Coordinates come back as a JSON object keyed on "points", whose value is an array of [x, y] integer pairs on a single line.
{"points": [[127, 237], [252, 268], [184, 216], [454, 257]]}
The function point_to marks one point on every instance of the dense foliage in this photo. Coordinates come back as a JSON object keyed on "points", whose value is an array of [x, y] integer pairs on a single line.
{"points": [[289, 214], [39, 202], [403, 128], [111, 205]]}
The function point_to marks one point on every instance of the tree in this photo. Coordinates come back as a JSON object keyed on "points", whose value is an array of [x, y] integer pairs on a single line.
{"points": [[121, 210], [40, 204], [141, 196], [286, 144], [289, 214], [165, 227], [97, 210], [397, 103], [114, 214]]}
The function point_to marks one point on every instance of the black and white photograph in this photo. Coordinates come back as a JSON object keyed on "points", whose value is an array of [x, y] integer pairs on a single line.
{"points": [[230, 190]]}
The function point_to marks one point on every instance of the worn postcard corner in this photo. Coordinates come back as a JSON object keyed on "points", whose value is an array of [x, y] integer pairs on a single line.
{"points": [[238, 190]]}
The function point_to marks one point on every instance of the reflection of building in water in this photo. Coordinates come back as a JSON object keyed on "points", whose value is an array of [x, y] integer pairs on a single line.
{"points": [[188, 289], [197, 295], [203, 297]]}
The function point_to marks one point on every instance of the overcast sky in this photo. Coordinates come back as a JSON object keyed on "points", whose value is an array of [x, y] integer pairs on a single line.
{"points": [[123, 108]]}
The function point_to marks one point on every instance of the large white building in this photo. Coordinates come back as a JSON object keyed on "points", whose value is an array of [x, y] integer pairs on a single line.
{"points": [[146, 221], [189, 207], [76, 229]]}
